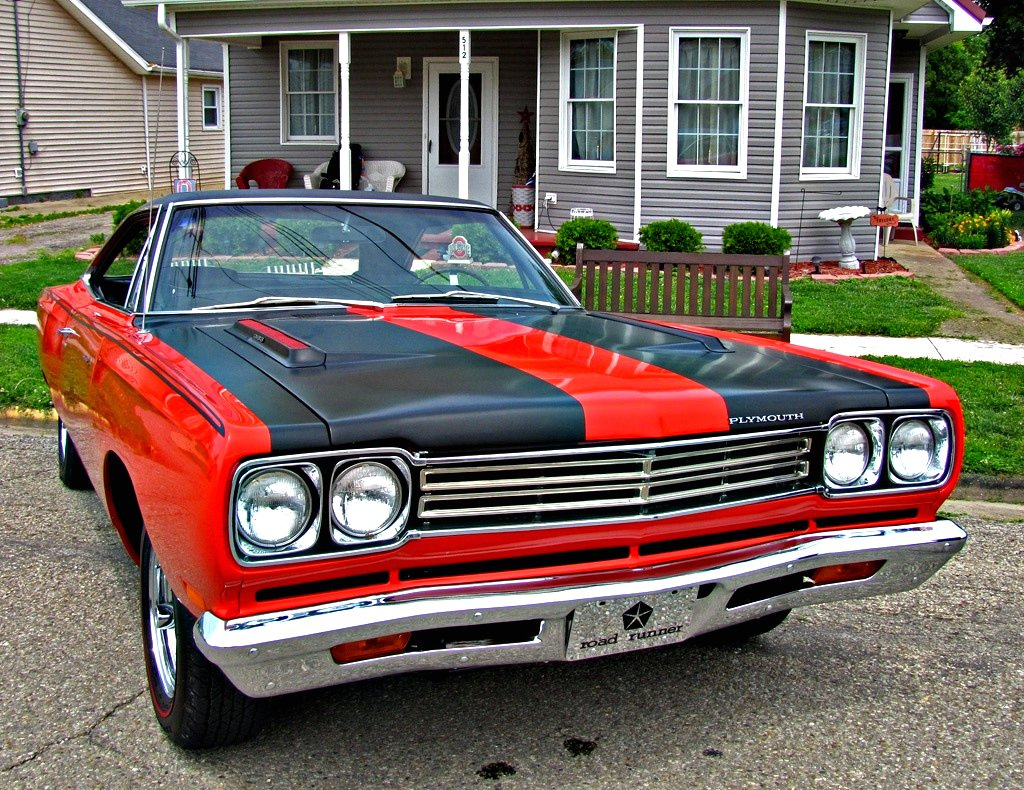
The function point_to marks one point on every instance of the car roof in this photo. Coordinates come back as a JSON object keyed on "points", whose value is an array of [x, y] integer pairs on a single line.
{"points": [[312, 195]]}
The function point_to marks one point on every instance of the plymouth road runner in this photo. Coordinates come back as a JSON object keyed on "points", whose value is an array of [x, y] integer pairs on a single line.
{"points": [[349, 435]]}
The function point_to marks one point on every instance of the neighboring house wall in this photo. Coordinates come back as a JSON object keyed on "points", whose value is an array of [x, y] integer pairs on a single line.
{"points": [[86, 111]]}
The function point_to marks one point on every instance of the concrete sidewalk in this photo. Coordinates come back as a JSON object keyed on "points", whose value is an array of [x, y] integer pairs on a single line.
{"points": [[849, 345]]}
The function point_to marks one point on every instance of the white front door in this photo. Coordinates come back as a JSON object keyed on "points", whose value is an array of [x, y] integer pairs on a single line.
{"points": [[443, 91]]}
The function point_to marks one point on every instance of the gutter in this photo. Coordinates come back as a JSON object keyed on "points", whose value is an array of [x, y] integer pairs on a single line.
{"points": [[21, 114]]}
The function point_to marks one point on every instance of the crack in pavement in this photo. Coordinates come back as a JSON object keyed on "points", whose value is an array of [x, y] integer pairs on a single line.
{"points": [[87, 734]]}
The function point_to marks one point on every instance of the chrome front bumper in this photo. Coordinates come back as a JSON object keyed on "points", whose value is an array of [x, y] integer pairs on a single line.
{"points": [[288, 651]]}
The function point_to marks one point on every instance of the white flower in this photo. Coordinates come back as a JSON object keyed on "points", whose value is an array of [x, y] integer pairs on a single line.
{"points": [[843, 213]]}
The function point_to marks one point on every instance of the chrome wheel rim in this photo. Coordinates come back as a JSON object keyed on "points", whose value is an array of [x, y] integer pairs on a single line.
{"points": [[160, 621]]}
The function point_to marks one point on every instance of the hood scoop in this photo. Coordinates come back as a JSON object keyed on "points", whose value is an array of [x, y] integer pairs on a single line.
{"points": [[289, 351]]}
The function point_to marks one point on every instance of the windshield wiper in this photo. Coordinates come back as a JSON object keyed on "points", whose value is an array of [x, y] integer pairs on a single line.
{"points": [[474, 297], [289, 301]]}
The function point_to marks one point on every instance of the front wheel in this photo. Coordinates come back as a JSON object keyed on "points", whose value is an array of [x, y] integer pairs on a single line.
{"points": [[193, 700]]}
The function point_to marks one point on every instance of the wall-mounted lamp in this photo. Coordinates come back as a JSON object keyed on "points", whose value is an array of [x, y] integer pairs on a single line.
{"points": [[403, 71]]}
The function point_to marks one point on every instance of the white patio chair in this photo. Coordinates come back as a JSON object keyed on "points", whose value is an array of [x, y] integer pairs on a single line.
{"points": [[895, 203], [383, 175]]}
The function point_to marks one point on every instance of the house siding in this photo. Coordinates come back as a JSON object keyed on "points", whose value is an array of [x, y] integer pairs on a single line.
{"points": [[86, 112]]}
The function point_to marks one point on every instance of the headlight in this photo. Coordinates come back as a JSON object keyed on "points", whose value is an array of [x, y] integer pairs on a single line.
{"points": [[367, 501], [919, 450], [853, 453], [273, 508]]}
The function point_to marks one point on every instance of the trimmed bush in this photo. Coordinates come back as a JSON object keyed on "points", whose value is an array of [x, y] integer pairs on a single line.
{"points": [[755, 238], [595, 234], [671, 235]]}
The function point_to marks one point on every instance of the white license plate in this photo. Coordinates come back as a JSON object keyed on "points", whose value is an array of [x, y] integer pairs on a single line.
{"points": [[617, 625]]}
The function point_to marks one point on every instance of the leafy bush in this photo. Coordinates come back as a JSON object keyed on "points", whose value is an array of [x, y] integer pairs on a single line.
{"points": [[755, 238], [671, 235], [595, 234], [929, 167], [124, 209], [938, 207]]}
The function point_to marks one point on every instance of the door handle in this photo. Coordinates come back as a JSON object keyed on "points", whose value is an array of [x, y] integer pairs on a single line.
{"points": [[430, 146], [67, 331]]}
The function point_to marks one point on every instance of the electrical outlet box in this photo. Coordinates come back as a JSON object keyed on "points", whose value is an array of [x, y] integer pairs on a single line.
{"points": [[551, 197]]}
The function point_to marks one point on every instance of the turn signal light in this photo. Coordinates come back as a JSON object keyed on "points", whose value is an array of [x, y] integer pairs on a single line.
{"points": [[370, 648], [849, 572]]}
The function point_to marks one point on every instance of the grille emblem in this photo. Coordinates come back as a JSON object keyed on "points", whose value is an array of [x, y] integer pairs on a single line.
{"points": [[636, 616]]}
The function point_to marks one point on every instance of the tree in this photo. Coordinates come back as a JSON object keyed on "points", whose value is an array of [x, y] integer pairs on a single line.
{"points": [[992, 103], [948, 67], [1005, 35]]}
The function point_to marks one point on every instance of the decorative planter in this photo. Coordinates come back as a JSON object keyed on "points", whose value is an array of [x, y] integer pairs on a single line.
{"points": [[522, 205]]}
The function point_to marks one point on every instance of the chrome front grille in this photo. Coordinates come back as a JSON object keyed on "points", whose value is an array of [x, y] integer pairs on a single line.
{"points": [[624, 482]]}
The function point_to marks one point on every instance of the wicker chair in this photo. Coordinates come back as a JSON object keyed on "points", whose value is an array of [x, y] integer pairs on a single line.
{"points": [[265, 174], [383, 175]]}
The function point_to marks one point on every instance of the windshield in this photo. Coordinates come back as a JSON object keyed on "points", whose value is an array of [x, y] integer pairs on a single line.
{"points": [[252, 254]]}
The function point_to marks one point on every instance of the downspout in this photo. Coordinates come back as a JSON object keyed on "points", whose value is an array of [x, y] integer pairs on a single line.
{"points": [[21, 115], [166, 23]]}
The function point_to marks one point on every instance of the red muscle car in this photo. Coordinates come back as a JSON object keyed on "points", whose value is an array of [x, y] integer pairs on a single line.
{"points": [[346, 436]]}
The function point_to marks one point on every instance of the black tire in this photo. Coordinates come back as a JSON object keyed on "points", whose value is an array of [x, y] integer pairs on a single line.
{"points": [[1016, 205], [744, 632], [69, 463], [194, 702]]}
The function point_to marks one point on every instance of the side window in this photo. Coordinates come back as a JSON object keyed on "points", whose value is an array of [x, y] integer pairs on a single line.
{"points": [[833, 106], [588, 103], [113, 272], [309, 93], [211, 108], [708, 103]]}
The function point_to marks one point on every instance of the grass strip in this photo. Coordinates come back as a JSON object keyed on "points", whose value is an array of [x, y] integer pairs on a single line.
{"points": [[993, 401], [21, 381], [1005, 273], [21, 283]]}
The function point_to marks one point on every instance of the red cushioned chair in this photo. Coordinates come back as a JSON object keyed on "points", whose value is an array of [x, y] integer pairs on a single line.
{"points": [[266, 173]]}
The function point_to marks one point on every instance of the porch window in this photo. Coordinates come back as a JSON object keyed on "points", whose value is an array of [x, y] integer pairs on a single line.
{"points": [[309, 87], [833, 101], [588, 102], [211, 108], [708, 86]]}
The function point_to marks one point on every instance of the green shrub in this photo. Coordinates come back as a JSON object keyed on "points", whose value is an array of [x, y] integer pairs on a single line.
{"points": [[595, 234], [755, 238], [671, 235], [124, 209], [938, 206], [929, 167]]}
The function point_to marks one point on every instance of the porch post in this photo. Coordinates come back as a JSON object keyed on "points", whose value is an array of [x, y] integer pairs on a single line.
{"points": [[464, 58], [345, 146]]}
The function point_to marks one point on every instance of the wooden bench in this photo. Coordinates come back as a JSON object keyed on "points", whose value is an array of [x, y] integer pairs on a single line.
{"points": [[740, 293]]}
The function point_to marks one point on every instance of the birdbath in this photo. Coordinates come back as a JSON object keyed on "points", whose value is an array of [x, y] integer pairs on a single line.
{"points": [[844, 216]]}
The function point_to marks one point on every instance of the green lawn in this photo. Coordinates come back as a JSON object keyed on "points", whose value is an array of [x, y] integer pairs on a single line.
{"points": [[887, 306], [1005, 273], [21, 382], [21, 283], [993, 401]]}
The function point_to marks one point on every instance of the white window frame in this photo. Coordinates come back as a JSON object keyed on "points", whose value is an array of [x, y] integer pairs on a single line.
{"points": [[852, 170], [565, 160], [218, 104], [286, 137], [739, 170]]}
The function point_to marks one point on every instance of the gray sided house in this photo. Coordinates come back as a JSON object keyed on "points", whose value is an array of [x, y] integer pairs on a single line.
{"points": [[711, 112], [88, 96]]}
